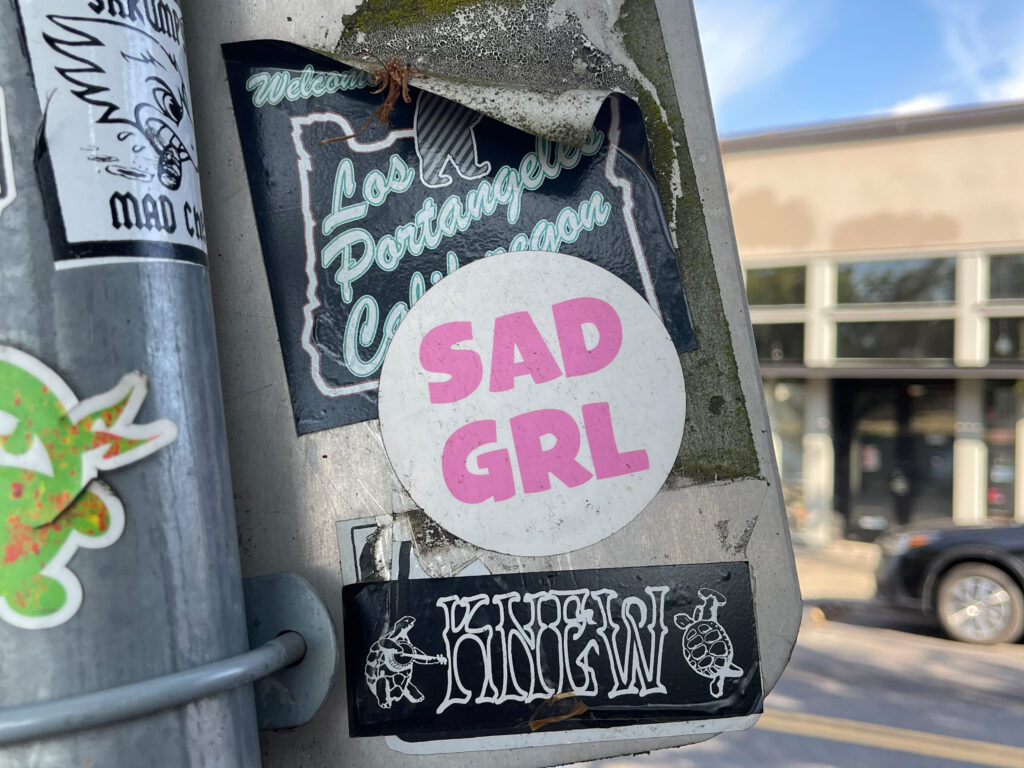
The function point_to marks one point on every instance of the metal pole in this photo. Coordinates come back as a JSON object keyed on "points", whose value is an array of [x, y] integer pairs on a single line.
{"points": [[167, 595]]}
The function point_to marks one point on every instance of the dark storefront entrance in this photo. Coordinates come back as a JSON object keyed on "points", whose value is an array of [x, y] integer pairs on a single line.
{"points": [[894, 453]]}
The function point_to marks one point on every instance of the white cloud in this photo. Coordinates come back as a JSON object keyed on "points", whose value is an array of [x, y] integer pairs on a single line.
{"points": [[1011, 87], [925, 102], [748, 42], [984, 40]]}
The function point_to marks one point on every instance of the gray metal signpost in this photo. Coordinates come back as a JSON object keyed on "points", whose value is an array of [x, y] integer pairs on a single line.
{"points": [[306, 502], [533, 512], [165, 596]]}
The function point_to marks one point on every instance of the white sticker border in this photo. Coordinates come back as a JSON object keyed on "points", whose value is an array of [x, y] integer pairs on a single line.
{"points": [[555, 546], [57, 568], [5, 156], [580, 736]]}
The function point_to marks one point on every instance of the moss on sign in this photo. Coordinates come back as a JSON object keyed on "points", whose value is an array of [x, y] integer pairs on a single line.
{"points": [[717, 443], [544, 46], [382, 14]]}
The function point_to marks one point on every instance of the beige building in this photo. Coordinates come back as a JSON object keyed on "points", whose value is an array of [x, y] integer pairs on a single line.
{"points": [[884, 262]]}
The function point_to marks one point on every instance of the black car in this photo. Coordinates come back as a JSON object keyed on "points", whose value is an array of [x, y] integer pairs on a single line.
{"points": [[970, 578]]}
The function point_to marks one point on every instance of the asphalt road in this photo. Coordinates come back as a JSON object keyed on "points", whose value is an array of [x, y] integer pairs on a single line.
{"points": [[871, 687]]}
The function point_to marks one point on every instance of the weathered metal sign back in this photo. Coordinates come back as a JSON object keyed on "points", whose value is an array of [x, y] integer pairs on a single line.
{"points": [[490, 385]]}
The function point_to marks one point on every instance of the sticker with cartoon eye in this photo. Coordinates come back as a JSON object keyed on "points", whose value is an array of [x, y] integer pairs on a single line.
{"points": [[165, 100]]}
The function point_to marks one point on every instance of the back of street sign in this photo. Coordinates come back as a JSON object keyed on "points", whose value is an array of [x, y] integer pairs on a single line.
{"points": [[489, 380]]}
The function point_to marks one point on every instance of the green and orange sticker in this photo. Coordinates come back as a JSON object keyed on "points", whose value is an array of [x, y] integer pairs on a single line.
{"points": [[52, 448]]}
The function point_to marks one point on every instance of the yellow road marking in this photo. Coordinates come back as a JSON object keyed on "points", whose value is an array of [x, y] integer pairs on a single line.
{"points": [[894, 739]]}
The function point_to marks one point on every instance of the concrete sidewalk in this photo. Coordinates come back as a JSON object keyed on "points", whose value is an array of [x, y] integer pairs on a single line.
{"points": [[843, 570]]}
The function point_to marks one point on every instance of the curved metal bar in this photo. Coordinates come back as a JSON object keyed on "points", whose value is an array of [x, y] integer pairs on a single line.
{"points": [[89, 710]]}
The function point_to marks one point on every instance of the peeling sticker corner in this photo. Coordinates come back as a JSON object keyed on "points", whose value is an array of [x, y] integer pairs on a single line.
{"points": [[481, 52], [573, 55]]}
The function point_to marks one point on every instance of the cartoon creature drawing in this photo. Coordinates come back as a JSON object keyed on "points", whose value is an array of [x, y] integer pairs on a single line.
{"points": [[706, 645], [444, 133], [51, 448], [138, 84], [389, 665]]}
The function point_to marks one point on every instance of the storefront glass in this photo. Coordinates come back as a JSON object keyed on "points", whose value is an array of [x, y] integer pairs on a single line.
{"points": [[903, 339], [779, 342], [1001, 408], [875, 282], [776, 285], [1005, 337], [1006, 276], [894, 453]]}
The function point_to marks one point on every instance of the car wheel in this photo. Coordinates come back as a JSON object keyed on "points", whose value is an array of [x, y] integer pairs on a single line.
{"points": [[978, 603]]}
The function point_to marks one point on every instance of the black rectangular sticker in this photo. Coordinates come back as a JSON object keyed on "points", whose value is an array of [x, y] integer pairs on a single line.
{"points": [[464, 657], [356, 224]]}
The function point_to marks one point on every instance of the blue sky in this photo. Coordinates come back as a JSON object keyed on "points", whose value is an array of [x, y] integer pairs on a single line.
{"points": [[782, 63]]}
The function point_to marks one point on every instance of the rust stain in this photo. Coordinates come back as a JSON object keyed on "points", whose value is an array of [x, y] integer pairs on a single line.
{"points": [[561, 706]]}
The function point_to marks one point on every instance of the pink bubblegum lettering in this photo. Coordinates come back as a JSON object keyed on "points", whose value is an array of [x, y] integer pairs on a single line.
{"points": [[536, 465], [570, 317], [470, 487], [517, 332], [463, 366], [608, 462], [518, 349]]}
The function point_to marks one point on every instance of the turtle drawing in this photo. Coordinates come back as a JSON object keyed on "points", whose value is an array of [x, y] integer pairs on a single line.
{"points": [[390, 662], [706, 645], [52, 447]]}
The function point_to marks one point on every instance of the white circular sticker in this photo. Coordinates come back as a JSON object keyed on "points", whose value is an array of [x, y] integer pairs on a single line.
{"points": [[532, 403]]}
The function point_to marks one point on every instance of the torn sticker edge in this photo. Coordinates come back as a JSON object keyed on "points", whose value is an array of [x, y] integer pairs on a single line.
{"points": [[504, 102]]}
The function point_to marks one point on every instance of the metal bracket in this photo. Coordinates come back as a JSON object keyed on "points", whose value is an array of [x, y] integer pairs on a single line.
{"points": [[90, 710], [292, 664], [275, 604]]}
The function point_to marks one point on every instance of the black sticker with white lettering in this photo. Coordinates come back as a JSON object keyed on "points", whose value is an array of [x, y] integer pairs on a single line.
{"points": [[477, 656], [358, 219]]}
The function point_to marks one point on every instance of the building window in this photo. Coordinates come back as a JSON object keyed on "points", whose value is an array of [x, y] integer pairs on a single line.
{"points": [[1000, 428], [922, 339], [876, 282], [1005, 337], [779, 342], [777, 285], [1006, 277]]}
